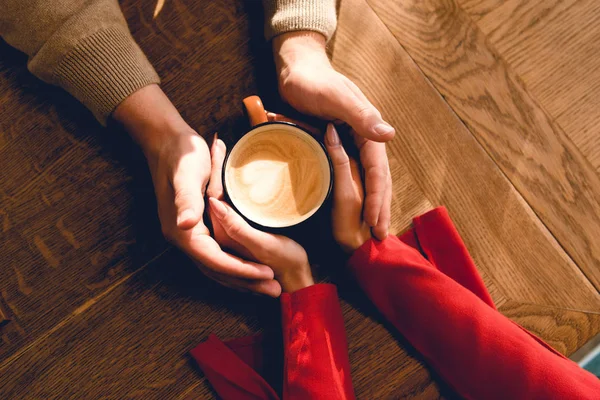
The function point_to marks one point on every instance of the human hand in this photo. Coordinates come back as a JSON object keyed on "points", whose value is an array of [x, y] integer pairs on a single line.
{"points": [[286, 257], [179, 162], [349, 228], [308, 82]]}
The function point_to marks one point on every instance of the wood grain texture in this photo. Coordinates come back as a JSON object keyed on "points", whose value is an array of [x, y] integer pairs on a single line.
{"points": [[535, 154], [134, 342], [67, 196], [477, 9], [564, 330], [3, 318], [504, 236], [77, 209], [94, 319], [552, 46]]}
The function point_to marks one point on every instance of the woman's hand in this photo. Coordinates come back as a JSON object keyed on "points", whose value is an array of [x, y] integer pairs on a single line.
{"points": [[179, 162], [286, 257], [349, 228], [308, 82]]}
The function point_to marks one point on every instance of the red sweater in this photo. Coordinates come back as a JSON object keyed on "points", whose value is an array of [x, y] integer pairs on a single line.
{"points": [[427, 286]]}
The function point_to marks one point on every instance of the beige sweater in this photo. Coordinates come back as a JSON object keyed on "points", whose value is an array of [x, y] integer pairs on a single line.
{"points": [[85, 46]]}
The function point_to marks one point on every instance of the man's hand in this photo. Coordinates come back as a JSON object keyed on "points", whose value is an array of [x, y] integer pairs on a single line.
{"points": [[308, 82], [179, 162]]}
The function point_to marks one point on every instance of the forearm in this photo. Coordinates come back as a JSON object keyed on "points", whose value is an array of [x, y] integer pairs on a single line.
{"points": [[83, 46], [151, 119], [477, 350]]}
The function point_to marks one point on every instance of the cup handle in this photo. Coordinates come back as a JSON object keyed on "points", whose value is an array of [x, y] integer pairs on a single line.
{"points": [[255, 110]]}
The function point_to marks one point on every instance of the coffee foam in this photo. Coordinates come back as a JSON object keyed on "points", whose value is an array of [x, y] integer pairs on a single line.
{"points": [[277, 175]]}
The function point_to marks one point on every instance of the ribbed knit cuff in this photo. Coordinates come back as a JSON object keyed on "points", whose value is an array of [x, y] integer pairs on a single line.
{"points": [[103, 69], [283, 16]]}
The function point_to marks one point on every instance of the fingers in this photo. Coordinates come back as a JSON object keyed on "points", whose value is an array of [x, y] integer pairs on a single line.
{"points": [[204, 249], [349, 229], [188, 185], [225, 268], [380, 231], [347, 189], [342, 174], [269, 287], [217, 156], [240, 231], [374, 160], [346, 102]]}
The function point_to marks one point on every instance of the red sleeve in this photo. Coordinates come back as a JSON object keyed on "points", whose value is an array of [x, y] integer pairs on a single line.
{"points": [[230, 368], [478, 351], [315, 347]]}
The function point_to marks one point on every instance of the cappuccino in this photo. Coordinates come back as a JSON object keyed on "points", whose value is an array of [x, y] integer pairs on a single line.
{"points": [[277, 175]]}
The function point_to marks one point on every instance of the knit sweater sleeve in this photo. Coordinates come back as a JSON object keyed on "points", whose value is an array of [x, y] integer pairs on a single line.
{"points": [[283, 16], [84, 46]]}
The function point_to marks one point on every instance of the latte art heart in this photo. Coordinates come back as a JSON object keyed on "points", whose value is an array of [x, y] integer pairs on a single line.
{"points": [[277, 176], [263, 178]]}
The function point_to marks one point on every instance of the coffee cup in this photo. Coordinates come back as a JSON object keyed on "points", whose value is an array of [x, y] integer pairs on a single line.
{"points": [[277, 175]]}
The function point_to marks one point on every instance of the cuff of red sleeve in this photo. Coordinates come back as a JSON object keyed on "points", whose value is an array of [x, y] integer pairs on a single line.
{"points": [[318, 304], [313, 292], [427, 228], [366, 254]]}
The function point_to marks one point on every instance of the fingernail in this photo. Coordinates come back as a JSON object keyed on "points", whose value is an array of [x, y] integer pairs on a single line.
{"points": [[186, 215], [332, 137], [383, 129], [218, 207]]}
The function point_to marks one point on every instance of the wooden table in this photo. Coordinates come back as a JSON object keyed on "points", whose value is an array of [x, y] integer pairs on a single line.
{"points": [[497, 114]]}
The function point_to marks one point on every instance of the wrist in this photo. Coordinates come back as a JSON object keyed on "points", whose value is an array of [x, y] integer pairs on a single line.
{"points": [[352, 242], [296, 279], [151, 119], [295, 47]]}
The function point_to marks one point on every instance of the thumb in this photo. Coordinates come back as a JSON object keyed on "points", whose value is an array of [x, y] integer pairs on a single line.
{"points": [[188, 185], [217, 157], [346, 102]]}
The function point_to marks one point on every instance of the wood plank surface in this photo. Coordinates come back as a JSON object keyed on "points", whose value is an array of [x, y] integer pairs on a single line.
{"points": [[552, 46], [533, 152], [69, 228], [77, 209], [477, 9], [91, 317], [565, 330], [134, 342], [501, 231], [3, 318]]}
